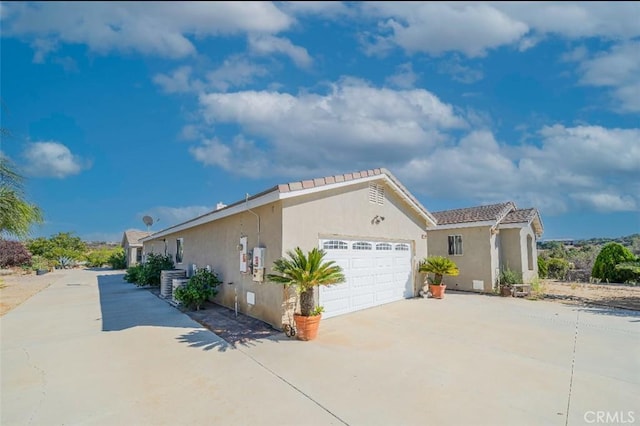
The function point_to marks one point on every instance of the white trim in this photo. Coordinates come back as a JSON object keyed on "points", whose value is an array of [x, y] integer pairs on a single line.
{"points": [[514, 225], [215, 215], [463, 225], [329, 186]]}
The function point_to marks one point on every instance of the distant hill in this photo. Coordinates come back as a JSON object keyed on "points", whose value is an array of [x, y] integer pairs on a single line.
{"points": [[630, 241]]}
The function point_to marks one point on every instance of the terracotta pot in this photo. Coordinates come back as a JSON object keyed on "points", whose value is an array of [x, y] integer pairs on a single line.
{"points": [[437, 291], [307, 327], [505, 292]]}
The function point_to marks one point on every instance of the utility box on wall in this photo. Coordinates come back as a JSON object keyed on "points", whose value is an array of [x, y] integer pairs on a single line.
{"points": [[258, 256]]}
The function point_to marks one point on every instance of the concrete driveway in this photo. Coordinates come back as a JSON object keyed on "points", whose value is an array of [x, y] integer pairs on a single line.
{"points": [[91, 349]]}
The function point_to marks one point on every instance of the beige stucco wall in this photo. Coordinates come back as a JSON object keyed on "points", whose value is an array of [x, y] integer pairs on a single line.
{"points": [[511, 255], [476, 261], [215, 244], [515, 255], [346, 212]]}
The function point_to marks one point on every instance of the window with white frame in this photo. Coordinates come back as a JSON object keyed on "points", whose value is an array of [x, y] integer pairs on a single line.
{"points": [[383, 246], [402, 247], [376, 194], [455, 245], [335, 245], [361, 245], [179, 250]]}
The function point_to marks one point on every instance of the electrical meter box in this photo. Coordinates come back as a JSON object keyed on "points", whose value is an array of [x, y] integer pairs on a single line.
{"points": [[258, 263], [258, 257]]}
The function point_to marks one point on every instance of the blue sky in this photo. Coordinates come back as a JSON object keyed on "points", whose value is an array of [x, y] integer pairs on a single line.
{"points": [[119, 110]]}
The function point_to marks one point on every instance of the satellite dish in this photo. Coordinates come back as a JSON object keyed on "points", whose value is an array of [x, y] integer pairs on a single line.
{"points": [[148, 220]]}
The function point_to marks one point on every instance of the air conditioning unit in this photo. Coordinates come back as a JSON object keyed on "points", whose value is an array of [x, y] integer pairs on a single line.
{"points": [[177, 282]]}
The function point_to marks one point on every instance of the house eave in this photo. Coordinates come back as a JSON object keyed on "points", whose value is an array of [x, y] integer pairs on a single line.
{"points": [[475, 224]]}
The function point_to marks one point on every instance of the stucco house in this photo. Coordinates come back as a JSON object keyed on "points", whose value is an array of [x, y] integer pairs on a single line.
{"points": [[133, 246], [367, 221], [484, 239]]}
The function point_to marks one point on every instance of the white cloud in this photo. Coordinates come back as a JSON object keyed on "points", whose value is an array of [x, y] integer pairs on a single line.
{"points": [[159, 28], [355, 125], [268, 44], [352, 122], [618, 69], [474, 28], [179, 81], [241, 157], [606, 202], [167, 216], [577, 167], [235, 71], [52, 159], [459, 72], [404, 78], [330, 9], [437, 27]]}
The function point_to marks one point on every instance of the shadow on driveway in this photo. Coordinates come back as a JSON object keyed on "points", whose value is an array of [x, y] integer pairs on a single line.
{"points": [[125, 305]]}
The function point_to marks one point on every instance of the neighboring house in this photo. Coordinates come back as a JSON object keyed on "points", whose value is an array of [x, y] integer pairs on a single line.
{"points": [[133, 246], [482, 240], [367, 222]]}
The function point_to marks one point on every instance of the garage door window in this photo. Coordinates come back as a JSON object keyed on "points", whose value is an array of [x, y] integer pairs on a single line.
{"points": [[383, 246], [361, 245], [402, 247], [335, 245]]}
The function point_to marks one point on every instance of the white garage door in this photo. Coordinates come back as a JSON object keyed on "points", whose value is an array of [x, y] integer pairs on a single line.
{"points": [[376, 272]]}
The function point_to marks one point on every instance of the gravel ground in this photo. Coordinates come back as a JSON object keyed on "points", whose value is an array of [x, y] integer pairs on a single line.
{"points": [[616, 295]]}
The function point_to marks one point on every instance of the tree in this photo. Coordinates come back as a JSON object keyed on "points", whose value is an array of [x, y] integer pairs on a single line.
{"points": [[61, 245], [13, 253], [605, 265], [16, 214], [305, 272]]}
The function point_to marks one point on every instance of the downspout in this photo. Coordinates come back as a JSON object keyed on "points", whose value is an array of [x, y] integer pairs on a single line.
{"points": [[246, 200]]}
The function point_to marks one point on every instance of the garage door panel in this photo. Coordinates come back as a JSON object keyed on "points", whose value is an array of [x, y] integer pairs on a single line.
{"points": [[361, 263], [376, 273]]}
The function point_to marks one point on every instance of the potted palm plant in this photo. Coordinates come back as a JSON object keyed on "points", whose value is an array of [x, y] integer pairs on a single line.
{"points": [[439, 266], [305, 273]]}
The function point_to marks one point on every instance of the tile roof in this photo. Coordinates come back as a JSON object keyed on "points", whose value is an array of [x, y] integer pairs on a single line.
{"points": [[520, 215], [314, 183], [133, 236], [292, 187], [346, 177], [493, 212]]}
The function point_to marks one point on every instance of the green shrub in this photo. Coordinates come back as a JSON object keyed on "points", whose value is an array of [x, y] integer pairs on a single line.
{"points": [[39, 262], [543, 268], [135, 275], [629, 272], [509, 277], [557, 268], [117, 259], [153, 266], [98, 258], [611, 255], [201, 287]]}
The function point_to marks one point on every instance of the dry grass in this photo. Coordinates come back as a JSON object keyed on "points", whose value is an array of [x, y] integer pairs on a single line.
{"points": [[619, 296]]}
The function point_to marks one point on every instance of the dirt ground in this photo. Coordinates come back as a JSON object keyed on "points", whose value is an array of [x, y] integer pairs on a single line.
{"points": [[616, 295], [18, 287]]}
